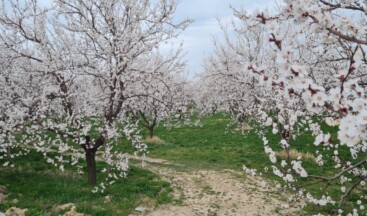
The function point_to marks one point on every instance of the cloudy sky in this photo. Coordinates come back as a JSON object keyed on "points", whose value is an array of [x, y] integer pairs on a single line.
{"points": [[197, 39]]}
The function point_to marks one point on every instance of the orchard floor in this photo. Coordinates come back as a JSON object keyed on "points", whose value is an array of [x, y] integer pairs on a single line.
{"points": [[196, 192], [196, 171], [211, 192]]}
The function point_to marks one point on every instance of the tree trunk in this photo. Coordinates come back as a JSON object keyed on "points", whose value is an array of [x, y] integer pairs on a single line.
{"points": [[90, 155], [8, 152], [151, 132]]}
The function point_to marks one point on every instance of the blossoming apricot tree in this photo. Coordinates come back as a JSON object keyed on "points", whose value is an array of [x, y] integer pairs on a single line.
{"points": [[292, 71], [320, 68], [84, 57]]}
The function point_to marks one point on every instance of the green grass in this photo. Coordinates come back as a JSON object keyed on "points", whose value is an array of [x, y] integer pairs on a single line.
{"points": [[40, 188], [217, 146], [214, 145]]}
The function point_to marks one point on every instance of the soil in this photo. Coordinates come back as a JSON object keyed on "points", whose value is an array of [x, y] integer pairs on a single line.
{"points": [[69, 206], [13, 211], [2, 193], [209, 193]]}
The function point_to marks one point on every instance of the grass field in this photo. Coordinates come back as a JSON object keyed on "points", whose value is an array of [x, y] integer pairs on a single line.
{"points": [[218, 144], [40, 188], [215, 145]]}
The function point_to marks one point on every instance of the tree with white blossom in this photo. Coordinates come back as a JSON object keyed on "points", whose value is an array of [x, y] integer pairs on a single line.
{"points": [[319, 67], [85, 56], [167, 95], [19, 99], [224, 85]]}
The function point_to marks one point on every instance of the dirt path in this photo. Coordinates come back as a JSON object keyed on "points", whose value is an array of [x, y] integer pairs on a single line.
{"points": [[219, 193]]}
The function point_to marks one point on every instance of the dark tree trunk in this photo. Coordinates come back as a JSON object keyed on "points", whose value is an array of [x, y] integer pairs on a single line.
{"points": [[8, 149], [8, 152], [148, 125], [151, 131], [90, 156]]}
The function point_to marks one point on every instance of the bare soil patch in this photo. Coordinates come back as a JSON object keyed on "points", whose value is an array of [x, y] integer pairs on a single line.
{"points": [[150, 160], [209, 192], [69, 206], [13, 211], [2, 194]]}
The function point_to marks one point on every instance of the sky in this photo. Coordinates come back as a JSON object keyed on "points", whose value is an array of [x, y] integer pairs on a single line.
{"points": [[197, 38]]}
